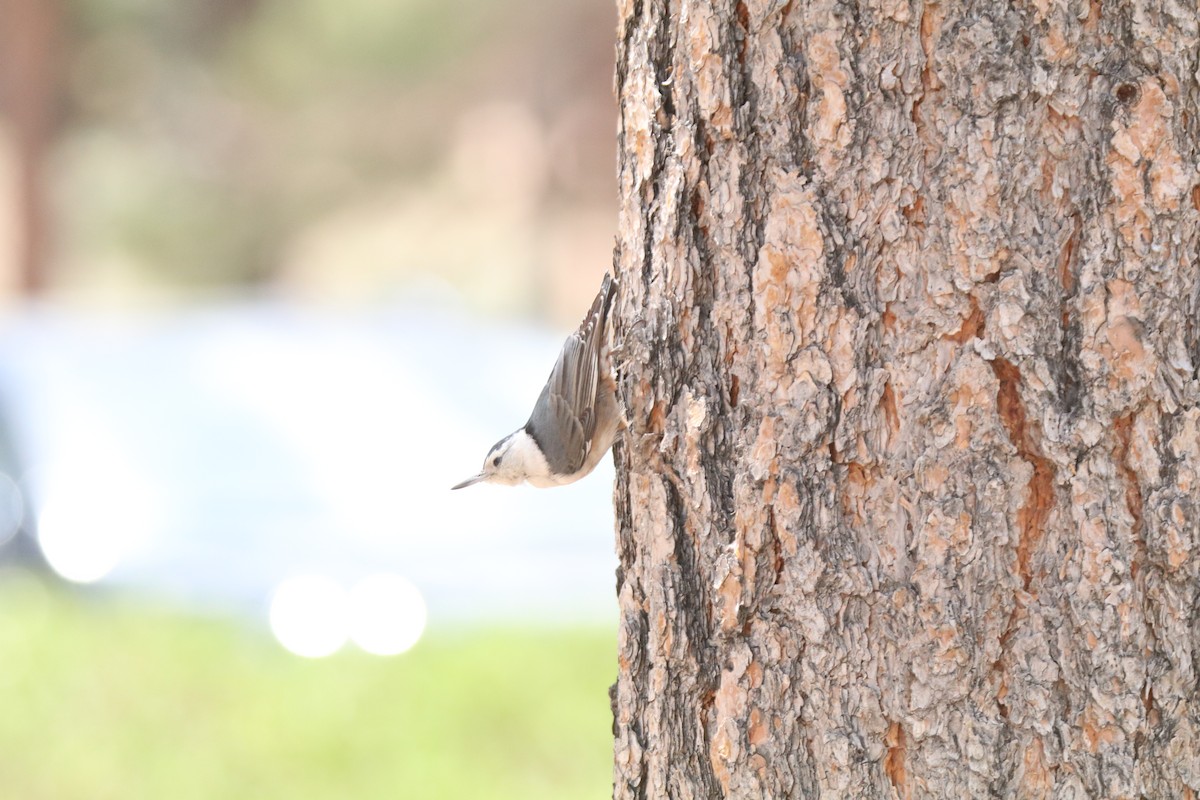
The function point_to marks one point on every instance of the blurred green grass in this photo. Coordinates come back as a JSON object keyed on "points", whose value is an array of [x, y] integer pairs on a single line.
{"points": [[109, 698]]}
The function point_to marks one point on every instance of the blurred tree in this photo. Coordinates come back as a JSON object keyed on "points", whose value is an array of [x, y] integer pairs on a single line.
{"points": [[31, 51], [208, 144], [908, 506]]}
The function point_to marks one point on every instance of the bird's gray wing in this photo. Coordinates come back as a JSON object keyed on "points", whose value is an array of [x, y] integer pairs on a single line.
{"points": [[564, 417]]}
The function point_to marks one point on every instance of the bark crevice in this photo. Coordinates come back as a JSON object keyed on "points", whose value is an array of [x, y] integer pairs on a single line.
{"points": [[1040, 498]]}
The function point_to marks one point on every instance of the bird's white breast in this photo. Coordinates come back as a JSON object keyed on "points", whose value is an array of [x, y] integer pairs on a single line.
{"points": [[528, 460]]}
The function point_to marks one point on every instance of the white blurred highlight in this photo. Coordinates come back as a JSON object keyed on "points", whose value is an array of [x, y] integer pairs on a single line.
{"points": [[309, 615], [94, 515], [387, 614]]}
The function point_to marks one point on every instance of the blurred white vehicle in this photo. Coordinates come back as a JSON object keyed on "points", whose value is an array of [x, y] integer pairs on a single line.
{"points": [[210, 456]]}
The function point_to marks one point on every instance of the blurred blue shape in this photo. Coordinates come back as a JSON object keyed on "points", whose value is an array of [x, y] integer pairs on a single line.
{"points": [[209, 455]]}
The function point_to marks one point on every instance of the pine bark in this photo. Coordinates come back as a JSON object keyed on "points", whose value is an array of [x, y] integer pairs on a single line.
{"points": [[910, 311]]}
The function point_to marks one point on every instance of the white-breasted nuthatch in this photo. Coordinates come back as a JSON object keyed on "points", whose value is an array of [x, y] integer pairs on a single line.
{"points": [[575, 419]]}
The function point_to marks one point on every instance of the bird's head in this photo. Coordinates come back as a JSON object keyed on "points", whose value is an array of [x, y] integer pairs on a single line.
{"points": [[505, 462]]}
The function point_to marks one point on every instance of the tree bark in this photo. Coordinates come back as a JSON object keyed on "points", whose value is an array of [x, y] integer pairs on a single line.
{"points": [[909, 303]]}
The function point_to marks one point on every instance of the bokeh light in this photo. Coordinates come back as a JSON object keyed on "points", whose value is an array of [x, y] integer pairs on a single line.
{"points": [[309, 615], [75, 543], [92, 519], [387, 614]]}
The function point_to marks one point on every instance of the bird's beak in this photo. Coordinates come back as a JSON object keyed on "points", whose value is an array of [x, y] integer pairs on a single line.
{"points": [[468, 482]]}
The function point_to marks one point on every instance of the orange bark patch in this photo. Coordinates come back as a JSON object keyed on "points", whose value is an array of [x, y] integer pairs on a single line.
{"points": [[857, 474], [1123, 299], [1127, 353], [894, 763], [763, 454], [758, 731], [1099, 730], [719, 754], [971, 327], [730, 592], [1032, 517], [930, 28], [915, 212], [1035, 778], [754, 674], [1122, 429], [658, 417], [889, 317], [890, 413], [830, 128], [857, 483]]}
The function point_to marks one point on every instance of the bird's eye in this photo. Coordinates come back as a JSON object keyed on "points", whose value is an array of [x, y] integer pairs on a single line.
{"points": [[496, 461]]}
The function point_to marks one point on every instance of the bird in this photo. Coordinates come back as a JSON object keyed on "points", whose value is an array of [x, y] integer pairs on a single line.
{"points": [[576, 417]]}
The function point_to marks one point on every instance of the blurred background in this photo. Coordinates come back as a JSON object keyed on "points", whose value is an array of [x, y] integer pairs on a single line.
{"points": [[274, 275]]}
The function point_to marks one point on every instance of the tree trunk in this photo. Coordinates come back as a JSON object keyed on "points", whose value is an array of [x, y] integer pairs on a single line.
{"points": [[30, 77], [909, 301]]}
